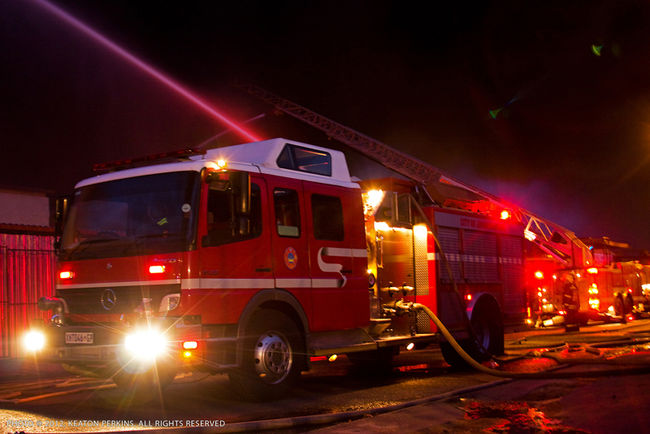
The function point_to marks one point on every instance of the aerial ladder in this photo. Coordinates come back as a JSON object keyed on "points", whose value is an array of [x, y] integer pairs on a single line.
{"points": [[555, 240]]}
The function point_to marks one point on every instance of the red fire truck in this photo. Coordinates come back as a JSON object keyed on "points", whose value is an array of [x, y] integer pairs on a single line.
{"points": [[617, 278], [250, 260], [611, 287]]}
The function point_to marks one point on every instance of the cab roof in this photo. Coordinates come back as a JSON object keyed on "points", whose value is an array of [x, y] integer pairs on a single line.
{"points": [[279, 157]]}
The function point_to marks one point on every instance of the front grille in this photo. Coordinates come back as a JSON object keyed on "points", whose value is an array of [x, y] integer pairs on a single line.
{"points": [[124, 299]]}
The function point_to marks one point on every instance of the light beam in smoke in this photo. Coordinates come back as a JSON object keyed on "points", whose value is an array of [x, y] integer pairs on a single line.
{"points": [[145, 67]]}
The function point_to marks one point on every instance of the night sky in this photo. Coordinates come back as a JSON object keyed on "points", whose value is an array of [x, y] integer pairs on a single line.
{"points": [[546, 104]]}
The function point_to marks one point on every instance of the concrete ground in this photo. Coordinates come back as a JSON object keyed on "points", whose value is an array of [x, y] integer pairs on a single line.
{"points": [[603, 405]]}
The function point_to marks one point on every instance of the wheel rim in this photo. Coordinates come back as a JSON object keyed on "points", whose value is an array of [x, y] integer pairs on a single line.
{"points": [[273, 357]]}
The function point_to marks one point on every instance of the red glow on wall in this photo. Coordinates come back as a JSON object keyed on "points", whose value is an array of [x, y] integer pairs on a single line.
{"points": [[27, 271]]}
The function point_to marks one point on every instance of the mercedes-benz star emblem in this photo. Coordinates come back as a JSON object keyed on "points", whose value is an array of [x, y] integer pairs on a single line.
{"points": [[108, 299]]}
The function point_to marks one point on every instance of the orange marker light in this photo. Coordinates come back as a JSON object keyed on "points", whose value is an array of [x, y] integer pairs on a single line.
{"points": [[539, 275], [156, 269], [222, 164], [505, 214]]}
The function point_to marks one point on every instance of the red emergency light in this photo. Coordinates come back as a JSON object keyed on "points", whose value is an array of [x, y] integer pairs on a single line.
{"points": [[190, 345], [156, 269], [66, 275]]}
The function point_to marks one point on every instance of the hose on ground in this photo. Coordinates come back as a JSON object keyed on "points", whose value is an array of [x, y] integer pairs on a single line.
{"points": [[549, 373]]}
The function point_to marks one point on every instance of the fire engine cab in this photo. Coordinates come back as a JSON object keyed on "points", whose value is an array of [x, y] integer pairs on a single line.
{"points": [[249, 260]]}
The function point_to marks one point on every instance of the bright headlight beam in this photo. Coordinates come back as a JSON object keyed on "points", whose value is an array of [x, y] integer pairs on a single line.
{"points": [[145, 344], [34, 340]]}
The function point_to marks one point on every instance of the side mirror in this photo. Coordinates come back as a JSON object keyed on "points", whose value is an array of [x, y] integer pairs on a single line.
{"points": [[241, 186], [60, 213]]}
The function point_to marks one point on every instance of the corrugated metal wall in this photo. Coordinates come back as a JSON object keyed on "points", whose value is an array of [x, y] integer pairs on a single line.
{"points": [[27, 273]]}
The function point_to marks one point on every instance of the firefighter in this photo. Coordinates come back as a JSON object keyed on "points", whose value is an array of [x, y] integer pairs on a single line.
{"points": [[571, 303]]}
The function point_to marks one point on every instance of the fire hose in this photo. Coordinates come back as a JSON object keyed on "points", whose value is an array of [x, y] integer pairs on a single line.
{"points": [[333, 418], [629, 367], [412, 306]]}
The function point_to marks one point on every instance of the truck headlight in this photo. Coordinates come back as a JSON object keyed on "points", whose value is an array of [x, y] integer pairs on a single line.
{"points": [[34, 341], [146, 344]]}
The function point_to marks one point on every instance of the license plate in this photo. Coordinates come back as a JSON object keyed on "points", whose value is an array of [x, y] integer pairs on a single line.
{"points": [[79, 337]]}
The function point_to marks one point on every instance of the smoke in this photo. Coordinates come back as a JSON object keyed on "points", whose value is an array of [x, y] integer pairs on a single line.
{"points": [[540, 197]]}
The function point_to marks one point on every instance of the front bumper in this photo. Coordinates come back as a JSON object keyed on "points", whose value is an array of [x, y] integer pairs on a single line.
{"points": [[103, 346], [104, 350]]}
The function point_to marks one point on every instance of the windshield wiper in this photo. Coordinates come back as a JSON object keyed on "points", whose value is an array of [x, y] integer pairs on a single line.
{"points": [[158, 235]]}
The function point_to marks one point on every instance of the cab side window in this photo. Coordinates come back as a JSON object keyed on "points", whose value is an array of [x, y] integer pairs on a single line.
{"points": [[305, 160], [287, 212], [327, 213]]}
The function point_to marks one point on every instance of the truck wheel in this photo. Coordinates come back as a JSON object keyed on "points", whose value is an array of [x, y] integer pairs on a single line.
{"points": [[487, 325], [488, 329], [455, 360], [269, 363]]}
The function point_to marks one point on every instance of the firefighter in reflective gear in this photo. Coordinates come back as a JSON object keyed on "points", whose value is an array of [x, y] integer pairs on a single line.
{"points": [[570, 302]]}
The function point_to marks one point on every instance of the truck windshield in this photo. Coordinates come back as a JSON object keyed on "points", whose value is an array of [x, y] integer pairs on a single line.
{"points": [[133, 216]]}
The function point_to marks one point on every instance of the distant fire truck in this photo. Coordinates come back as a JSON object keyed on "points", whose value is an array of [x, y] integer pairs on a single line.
{"points": [[614, 285], [251, 259]]}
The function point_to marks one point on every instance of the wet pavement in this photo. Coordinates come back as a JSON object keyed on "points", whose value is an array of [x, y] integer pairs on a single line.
{"points": [[602, 388], [604, 405]]}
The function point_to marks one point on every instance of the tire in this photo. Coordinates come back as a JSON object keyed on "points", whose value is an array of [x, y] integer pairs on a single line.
{"points": [[487, 327], [269, 362], [454, 359]]}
